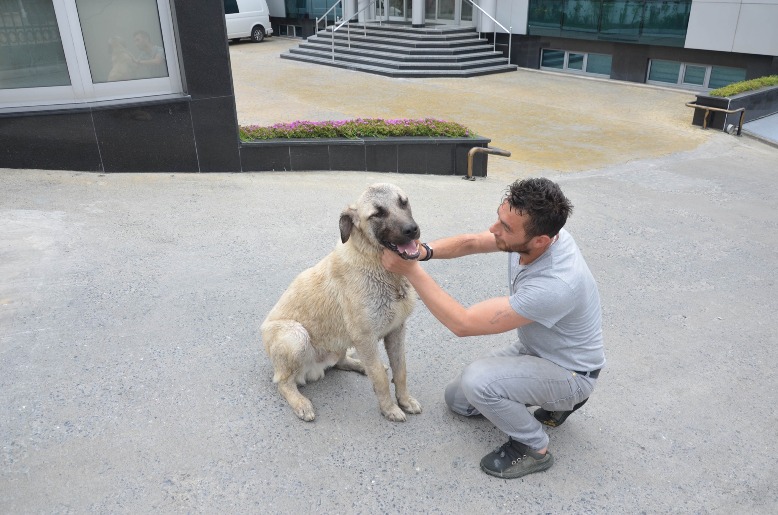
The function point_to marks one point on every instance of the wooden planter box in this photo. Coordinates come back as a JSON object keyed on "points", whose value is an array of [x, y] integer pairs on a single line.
{"points": [[421, 155], [758, 104]]}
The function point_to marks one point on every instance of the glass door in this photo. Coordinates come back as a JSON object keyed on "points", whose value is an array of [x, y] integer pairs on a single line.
{"points": [[450, 12], [399, 10]]}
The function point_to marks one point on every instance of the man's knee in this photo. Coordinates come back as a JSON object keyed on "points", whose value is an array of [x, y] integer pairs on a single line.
{"points": [[473, 382], [456, 400]]}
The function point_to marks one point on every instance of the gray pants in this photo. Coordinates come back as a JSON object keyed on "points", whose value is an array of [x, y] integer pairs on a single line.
{"points": [[503, 383]]}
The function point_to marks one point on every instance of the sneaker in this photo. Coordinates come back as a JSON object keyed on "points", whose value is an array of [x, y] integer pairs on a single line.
{"points": [[514, 459], [555, 418]]}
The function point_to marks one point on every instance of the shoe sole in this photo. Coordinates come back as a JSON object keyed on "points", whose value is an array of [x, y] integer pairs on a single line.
{"points": [[540, 467]]}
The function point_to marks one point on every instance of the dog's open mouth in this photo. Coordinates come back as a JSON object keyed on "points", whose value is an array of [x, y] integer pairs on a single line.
{"points": [[406, 251]]}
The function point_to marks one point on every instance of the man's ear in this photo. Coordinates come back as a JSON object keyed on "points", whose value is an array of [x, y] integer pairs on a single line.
{"points": [[348, 219]]}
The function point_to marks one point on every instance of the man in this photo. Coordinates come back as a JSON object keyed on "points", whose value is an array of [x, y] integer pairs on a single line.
{"points": [[151, 57], [554, 304]]}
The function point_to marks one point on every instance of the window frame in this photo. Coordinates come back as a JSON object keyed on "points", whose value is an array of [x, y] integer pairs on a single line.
{"points": [[682, 75], [565, 66], [81, 89]]}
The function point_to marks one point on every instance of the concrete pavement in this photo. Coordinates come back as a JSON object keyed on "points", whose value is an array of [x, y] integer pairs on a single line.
{"points": [[132, 377]]}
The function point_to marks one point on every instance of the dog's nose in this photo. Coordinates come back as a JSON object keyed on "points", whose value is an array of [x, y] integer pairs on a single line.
{"points": [[411, 230]]}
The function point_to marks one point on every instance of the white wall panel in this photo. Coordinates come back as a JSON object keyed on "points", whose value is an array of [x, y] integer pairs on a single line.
{"points": [[712, 25], [757, 29], [744, 26]]}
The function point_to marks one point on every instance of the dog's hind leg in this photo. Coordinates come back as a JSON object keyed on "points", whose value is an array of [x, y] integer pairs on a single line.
{"points": [[288, 345], [395, 349]]}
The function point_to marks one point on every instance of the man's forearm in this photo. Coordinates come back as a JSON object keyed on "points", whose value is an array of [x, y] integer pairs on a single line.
{"points": [[462, 245], [444, 307]]}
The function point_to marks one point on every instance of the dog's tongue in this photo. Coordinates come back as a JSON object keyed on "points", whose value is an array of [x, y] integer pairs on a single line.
{"points": [[409, 248]]}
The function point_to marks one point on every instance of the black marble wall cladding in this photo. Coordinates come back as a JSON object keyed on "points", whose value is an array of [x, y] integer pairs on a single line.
{"points": [[442, 156], [203, 47], [265, 158], [216, 133], [347, 157], [310, 157], [381, 158], [147, 138], [49, 141]]}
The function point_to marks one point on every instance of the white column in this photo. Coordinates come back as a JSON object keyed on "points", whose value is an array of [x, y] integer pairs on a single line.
{"points": [[349, 8], [484, 23], [419, 13]]}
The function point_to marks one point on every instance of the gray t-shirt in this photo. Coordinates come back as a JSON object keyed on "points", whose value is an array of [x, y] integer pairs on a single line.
{"points": [[559, 294]]}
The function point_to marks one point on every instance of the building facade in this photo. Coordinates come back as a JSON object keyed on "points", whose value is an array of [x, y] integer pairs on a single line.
{"points": [[693, 44]]}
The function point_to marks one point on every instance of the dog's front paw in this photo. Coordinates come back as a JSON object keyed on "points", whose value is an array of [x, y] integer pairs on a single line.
{"points": [[410, 405], [304, 410], [395, 414]]}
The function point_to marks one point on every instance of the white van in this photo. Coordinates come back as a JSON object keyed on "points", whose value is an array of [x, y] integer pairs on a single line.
{"points": [[247, 19]]}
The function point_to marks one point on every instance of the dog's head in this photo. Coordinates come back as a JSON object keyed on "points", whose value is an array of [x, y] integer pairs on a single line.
{"points": [[382, 218]]}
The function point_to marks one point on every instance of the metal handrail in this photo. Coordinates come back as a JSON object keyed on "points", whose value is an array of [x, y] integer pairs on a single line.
{"points": [[324, 17], [481, 150], [708, 109], [348, 28], [508, 30]]}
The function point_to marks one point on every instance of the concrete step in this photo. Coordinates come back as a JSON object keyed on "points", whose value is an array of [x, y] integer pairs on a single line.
{"points": [[412, 73], [401, 65], [403, 51], [367, 51], [398, 42], [399, 49]]}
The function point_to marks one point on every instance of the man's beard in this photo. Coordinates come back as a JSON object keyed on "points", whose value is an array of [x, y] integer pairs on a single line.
{"points": [[521, 248]]}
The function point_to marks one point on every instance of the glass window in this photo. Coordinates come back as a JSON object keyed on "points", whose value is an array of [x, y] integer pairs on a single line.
{"points": [[123, 40], [622, 17], [721, 76], [581, 15], [667, 17], [599, 64], [231, 7], [694, 75], [553, 59], [664, 71], [31, 44], [575, 61], [85, 50], [546, 13]]}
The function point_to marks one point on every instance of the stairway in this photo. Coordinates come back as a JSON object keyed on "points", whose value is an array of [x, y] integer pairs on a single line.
{"points": [[396, 50]]}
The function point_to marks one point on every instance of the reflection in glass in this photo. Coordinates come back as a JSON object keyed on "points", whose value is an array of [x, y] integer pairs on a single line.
{"points": [[123, 39], [694, 75], [553, 59], [622, 17], [581, 15], [575, 61], [31, 53], [445, 9], [599, 63], [664, 71], [721, 76]]}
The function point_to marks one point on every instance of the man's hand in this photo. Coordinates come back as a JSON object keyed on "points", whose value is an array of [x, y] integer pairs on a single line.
{"points": [[396, 264]]}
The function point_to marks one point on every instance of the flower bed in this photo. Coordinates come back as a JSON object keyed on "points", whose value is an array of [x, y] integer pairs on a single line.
{"points": [[354, 129], [426, 146]]}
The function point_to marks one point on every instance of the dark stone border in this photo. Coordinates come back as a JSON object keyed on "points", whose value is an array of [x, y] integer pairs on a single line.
{"points": [[421, 155], [758, 103]]}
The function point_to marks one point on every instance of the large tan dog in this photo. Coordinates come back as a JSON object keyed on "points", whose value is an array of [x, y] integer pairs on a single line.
{"points": [[348, 300]]}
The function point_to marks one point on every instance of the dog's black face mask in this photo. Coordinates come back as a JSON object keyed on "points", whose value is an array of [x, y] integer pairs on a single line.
{"points": [[384, 213]]}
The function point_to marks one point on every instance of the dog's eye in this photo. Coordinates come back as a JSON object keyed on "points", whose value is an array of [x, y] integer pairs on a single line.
{"points": [[403, 202], [379, 213]]}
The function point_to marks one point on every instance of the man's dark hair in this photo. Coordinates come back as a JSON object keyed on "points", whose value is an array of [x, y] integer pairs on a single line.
{"points": [[543, 201]]}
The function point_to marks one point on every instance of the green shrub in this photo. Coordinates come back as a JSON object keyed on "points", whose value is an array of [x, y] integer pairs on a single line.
{"points": [[743, 86], [354, 129]]}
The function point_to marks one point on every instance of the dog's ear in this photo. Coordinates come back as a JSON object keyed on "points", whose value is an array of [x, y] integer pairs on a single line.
{"points": [[348, 219]]}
